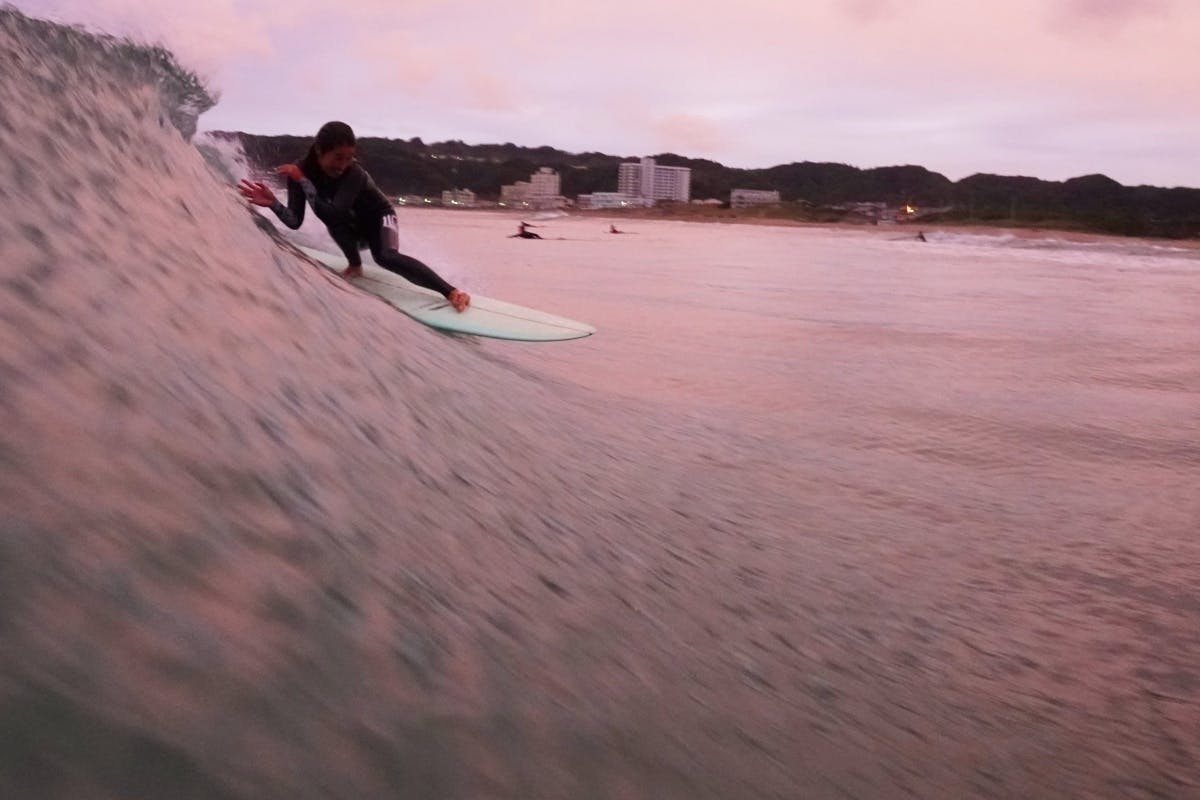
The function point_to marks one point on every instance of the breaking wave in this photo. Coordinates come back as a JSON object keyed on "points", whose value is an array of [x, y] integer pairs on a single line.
{"points": [[1049, 242], [260, 537]]}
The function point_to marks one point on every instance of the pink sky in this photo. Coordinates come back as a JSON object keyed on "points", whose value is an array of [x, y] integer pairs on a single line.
{"points": [[1049, 88]]}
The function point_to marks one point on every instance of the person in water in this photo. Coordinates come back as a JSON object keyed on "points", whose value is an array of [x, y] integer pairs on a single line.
{"points": [[344, 197], [523, 233]]}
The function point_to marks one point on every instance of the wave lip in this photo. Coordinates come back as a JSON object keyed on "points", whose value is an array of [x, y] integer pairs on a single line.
{"points": [[68, 53]]}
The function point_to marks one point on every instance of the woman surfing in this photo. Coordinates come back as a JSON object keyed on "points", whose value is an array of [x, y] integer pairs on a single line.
{"points": [[354, 210]]}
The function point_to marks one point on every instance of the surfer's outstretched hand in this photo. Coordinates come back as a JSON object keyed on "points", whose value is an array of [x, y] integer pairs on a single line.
{"points": [[256, 193], [459, 299]]}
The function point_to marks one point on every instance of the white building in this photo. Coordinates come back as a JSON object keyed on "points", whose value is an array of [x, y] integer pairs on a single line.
{"points": [[514, 194], [545, 183], [458, 198], [646, 179], [611, 200], [542, 190], [744, 198]]}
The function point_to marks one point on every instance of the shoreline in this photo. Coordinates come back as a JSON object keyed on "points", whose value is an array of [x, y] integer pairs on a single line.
{"points": [[620, 217], [916, 226]]}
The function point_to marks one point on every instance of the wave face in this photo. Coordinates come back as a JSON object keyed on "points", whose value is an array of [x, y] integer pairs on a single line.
{"points": [[261, 537]]}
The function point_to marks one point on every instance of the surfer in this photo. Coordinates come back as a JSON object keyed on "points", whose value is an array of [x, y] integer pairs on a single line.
{"points": [[613, 229], [344, 197], [523, 233]]}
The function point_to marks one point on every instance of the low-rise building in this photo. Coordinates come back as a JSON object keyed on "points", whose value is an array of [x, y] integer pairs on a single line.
{"points": [[514, 194], [612, 200], [744, 198], [545, 183], [458, 198], [541, 191]]}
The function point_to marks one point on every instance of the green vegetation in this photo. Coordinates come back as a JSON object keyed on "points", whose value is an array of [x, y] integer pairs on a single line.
{"points": [[813, 192]]}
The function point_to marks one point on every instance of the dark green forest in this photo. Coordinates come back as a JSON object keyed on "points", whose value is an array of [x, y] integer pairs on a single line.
{"points": [[810, 190]]}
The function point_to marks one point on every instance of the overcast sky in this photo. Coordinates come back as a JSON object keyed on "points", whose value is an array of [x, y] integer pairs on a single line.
{"points": [[1048, 88]]}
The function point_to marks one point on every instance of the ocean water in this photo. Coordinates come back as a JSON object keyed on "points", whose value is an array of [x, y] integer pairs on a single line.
{"points": [[817, 513]]}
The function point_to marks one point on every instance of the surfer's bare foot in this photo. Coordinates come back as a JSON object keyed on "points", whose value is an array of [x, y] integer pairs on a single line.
{"points": [[352, 272], [459, 299]]}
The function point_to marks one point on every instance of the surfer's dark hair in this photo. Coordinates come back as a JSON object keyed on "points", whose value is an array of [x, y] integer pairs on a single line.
{"points": [[332, 134]]}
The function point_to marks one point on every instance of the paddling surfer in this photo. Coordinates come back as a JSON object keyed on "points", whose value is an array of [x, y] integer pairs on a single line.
{"points": [[523, 232]]}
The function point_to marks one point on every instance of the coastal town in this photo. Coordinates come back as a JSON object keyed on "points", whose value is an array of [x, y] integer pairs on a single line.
{"points": [[640, 184], [456, 175]]}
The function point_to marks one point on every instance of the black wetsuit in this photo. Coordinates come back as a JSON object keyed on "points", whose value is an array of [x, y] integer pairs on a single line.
{"points": [[355, 211]]}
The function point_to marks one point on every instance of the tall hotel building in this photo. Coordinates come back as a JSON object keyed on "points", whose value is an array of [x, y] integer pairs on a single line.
{"points": [[646, 179]]}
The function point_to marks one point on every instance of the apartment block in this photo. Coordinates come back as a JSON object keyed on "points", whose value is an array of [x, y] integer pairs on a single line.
{"points": [[647, 179]]}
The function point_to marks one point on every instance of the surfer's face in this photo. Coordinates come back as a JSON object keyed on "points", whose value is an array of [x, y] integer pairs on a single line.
{"points": [[336, 161]]}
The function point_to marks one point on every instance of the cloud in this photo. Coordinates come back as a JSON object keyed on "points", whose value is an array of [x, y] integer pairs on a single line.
{"points": [[1114, 10], [689, 134], [205, 35], [867, 10], [486, 92], [396, 64], [765, 81], [1107, 20]]}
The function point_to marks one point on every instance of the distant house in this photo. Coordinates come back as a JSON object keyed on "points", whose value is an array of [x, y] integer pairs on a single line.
{"points": [[744, 198]]}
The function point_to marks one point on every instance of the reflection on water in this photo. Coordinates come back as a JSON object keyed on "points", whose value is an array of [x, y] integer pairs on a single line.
{"points": [[815, 514]]}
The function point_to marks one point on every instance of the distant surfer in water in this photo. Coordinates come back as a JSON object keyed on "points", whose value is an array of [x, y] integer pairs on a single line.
{"points": [[613, 229], [523, 233], [344, 197]]}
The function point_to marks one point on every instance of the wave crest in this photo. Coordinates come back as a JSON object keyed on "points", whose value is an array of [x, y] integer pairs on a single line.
{"points": [[58, 55]]}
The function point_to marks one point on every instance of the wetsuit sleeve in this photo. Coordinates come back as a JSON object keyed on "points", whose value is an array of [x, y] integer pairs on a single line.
{"points": [[292, 214]]}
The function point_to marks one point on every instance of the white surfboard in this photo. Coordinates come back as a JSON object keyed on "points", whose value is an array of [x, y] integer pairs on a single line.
{"points": [[484, 317]]}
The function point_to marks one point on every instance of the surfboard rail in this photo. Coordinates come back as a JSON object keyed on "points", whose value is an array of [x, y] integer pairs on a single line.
{"points": [[485, 316]]}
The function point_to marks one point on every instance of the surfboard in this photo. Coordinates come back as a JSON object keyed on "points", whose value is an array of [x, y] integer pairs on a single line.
{"points": [[484, 317]]}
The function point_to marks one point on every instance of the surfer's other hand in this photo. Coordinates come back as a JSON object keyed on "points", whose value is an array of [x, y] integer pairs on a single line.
{"points": [[256, 193], [459, 299], [290, 170]]}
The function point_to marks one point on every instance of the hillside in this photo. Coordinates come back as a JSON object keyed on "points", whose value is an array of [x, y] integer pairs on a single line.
{"points": [[810, 190]]}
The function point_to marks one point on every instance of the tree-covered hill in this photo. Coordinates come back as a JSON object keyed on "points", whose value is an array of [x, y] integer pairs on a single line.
{"points": [[1090, 202]]}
